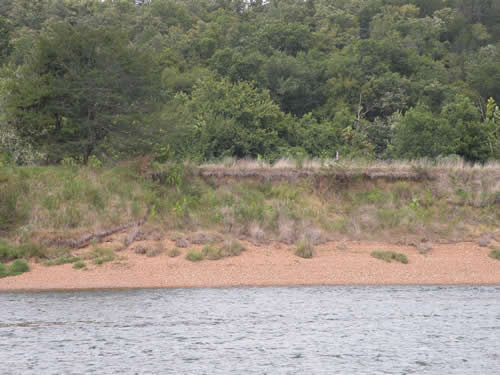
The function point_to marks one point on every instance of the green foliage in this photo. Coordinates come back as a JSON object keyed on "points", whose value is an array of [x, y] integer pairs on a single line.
{"points": [[101, 255], [185, 80], [389, 256], [194, 255], [211, 252], [495, 254], [18, 267], [80, 264], [13, 210], [3, 270], [7, 252], [61, 260]]}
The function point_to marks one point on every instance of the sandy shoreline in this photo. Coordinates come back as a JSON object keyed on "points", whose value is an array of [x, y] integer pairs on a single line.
{"points": [[451, 264]]}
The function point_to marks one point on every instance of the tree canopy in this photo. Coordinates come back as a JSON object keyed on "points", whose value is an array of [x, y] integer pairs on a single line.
{"points": [[213, 78]]}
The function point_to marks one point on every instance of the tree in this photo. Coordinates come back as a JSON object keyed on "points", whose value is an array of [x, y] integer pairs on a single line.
{"points": [[222, 118], [80, 85], [420, 133]]}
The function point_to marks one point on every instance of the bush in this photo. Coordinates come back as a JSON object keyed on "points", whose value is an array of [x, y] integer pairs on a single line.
{"points": [[495, 254], [304, 249], [18, 267], [7, 252], [389, 256], [3, 270], [232, 247], [101, 255], [79, 265], [211, 252], [194, 256], [31, 250], [175, 252]]}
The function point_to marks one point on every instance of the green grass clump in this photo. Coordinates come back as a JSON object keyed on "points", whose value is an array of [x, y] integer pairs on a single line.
{"points": [[7, 252], [211, 252], [18, 267], [495, 254], [3, 270], [31, 250], [60, 260], [389, 256], [101, 255], [175, 252], [79, 265], [304, 249], [194, 256], [232, 247]]}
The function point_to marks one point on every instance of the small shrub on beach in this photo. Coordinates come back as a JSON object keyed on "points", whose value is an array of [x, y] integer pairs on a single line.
{"points": [[18, 267], [79, 265], [194, 255], [101, 255], [232, 247], [3, 270], [389, 256], [304, 249], [155, 251], [212, 252], [175, 252], [495, 254]]}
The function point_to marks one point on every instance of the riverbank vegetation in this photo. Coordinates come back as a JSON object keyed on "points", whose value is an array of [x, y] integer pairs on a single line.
{"points": [[67, 207], [287, 120]]}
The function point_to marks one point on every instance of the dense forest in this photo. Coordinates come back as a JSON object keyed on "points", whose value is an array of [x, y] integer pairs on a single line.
{"points": [[95, 81]]}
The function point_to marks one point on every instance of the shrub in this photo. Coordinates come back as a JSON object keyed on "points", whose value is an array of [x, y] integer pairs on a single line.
{"points": [[304, 249], [60, 260], [495, 254], [101, 255], [389, 256], [7, 252], [3, 270], [232, 247], [31, 250], [79, 265], [18, 267], [211, 252], [175, 252], [157, 250], [194, 256]]}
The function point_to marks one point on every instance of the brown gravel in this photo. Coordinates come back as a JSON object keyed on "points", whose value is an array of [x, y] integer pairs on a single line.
{"points": [[462, 263]]}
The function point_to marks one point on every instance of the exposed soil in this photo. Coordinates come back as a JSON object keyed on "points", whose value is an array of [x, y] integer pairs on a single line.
{"points": [[462, 263]]}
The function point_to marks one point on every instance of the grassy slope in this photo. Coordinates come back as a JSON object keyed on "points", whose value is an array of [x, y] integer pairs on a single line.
{"points": [[393, 202]]}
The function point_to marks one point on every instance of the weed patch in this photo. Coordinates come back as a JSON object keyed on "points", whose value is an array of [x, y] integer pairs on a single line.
{"points": [[389, 256], [495, 254], [212, 252], [79, 265], [18, 267], [59, 261], [304, 249], [194, 255]]}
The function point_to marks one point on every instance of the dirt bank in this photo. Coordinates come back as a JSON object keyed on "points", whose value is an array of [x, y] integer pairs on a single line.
{"points": [[462, 263]]}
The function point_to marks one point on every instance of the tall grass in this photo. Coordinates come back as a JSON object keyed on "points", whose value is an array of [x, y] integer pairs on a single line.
{"points": [[39, 203]]}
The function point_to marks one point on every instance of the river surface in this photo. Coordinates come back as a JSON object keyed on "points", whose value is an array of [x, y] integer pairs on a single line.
{"points": [[283, 330]]}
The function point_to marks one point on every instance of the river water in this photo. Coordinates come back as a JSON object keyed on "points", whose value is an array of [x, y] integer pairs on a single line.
{"points": [[283, 330]]}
